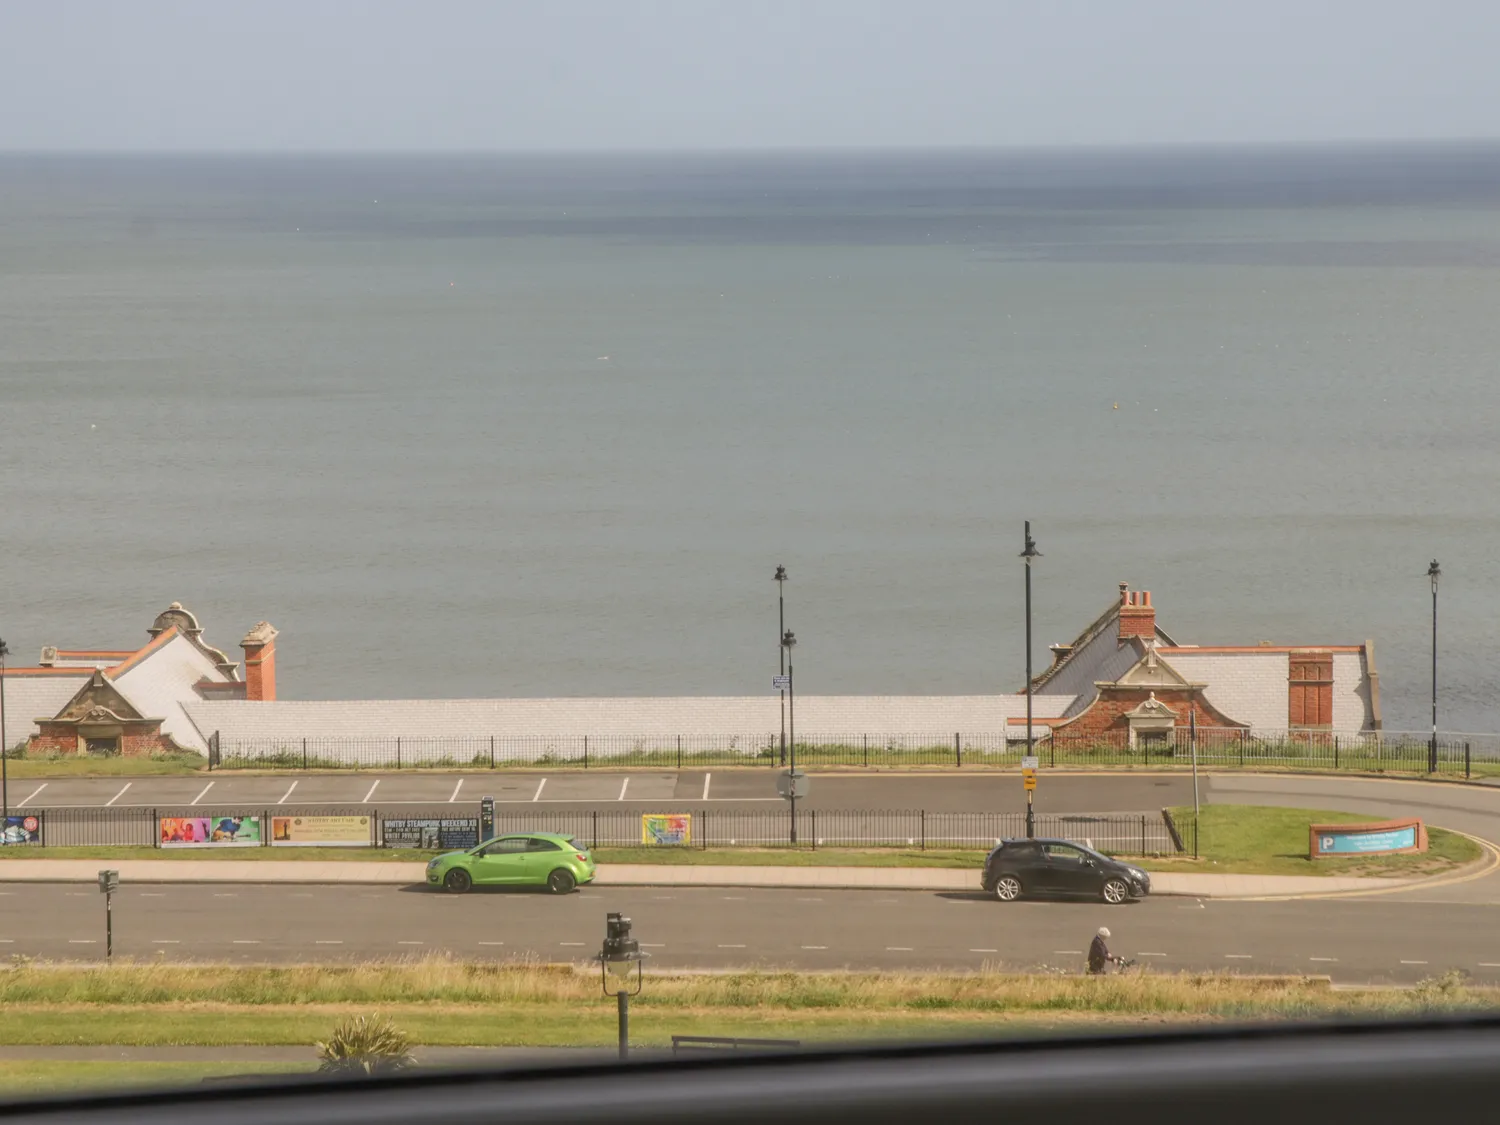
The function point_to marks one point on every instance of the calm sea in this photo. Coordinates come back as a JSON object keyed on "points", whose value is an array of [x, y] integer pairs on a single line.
{"points": [[546, 426]]}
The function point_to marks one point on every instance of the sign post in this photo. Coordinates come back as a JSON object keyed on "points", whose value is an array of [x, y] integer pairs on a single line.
{"points": [[1028, 780], [486, 819], [109, 883]]}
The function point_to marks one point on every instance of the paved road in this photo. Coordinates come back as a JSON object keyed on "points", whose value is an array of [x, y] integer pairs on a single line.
{"points": [[686, 789], [1360, 940]]}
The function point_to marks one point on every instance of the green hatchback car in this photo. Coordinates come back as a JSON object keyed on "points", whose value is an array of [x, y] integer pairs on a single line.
{"points": [[531, 859]]}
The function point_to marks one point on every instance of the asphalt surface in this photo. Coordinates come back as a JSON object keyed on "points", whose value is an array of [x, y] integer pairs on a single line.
{"points": [[642, 790], [1376, 940]]}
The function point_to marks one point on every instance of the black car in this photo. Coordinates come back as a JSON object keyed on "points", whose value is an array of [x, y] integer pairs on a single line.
{"points": [[1060, 867]]}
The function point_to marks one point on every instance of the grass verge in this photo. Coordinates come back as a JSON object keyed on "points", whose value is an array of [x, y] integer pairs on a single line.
{"points": [[176, 765], [52, 1076], [1257, 840]]}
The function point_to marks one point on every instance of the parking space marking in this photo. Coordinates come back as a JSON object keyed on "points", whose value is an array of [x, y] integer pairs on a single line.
{"points": [[34, 792], [624, 785], [371, 793], [287, 794], [118, 795], [456, 788], [540, 785], [706, 779], [203, 794]]}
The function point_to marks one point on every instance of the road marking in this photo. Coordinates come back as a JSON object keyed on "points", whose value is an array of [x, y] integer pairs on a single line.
{"points": [[34, 792], [166, 941], [1237, 956], [408, 943], [653, 945], [153, 894], [7, 941], [706, 779], [225, 894], [456, 788], [540, 785], [814, 947], [337, 941], [118, 795], [1069, 952], [809, 900], [287, 794], [82, 941], [570, 943], [1322, 958], [663, 898], [246, 941], [1414, 962], [624, 785], [200, 796], [371, 793], [1489, 964], [734, 898], [492, 943], [898, 949], [984, 951], [1150, 954], [731, 947]]}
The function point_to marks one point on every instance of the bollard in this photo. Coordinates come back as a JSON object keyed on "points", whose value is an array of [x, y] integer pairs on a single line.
{"points": [[304, 753], [958, 754]]}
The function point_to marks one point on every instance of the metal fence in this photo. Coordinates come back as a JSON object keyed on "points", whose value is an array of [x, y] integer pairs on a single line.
{"points": [[1133, 833], [1392, 751]]}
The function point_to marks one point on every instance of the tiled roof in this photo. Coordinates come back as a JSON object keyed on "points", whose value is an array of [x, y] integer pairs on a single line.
{"points": [[160, 678], [691, 716], [28, 698]]}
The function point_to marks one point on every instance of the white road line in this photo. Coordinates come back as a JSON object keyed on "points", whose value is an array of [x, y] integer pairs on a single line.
{"points": [[456, 788], [1414, 962], [153, 894], [1489, 964], [570, 943], [34, 792], [540, 785], [408, 943], [1237, 956], [653, 945], [287, 794], [246, 941], [984, 951], [330, 942], [734, 898], [225, 894], [492, 943], [898, 949], [814, 947], [166, 941], [200, 796], [371, 793], [1150, 954], [731, 947], [809, 900], [624, 785], [118, 795], [663, 898], [7, 941], [82, 941], [1069, 952], [706, 779], [1322, 958]]}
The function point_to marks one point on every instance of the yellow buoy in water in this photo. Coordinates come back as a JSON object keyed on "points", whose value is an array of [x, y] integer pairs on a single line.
{"points": [[1117, 406]]}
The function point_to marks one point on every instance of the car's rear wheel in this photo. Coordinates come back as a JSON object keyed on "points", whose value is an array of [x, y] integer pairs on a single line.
{"points": [[561, 881], [457, 881], [1115, 891], [1007, 888]]}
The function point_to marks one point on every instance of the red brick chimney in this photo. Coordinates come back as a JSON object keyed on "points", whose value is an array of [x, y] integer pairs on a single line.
{"points": [[260, 662], [1137, 617]]}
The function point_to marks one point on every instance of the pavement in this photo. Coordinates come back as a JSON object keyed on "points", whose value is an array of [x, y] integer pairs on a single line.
{"points": [[390, 873], [1361, 940]]}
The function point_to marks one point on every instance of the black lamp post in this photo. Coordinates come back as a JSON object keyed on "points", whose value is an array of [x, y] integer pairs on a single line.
{"points": [[1434, 572], [789, 642], [1030, 552], [620, 954], [4, 746], [781, 631]]}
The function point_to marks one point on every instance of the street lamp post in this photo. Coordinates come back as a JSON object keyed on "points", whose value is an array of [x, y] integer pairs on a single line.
{"points": [[1434, 572], [1030, 552], [789, 642], [620, 954], [4, 747], [780, 632]]}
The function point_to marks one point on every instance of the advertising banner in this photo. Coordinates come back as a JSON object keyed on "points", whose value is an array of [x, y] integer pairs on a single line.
{"points": [[320, 832], [667, 829], [22, 830], [448, 833], [210, 831]]}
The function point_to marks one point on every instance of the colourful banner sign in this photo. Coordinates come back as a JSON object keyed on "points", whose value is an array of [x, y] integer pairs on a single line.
{"points": [[22, 830], [667, 830], [210, 831], [431, 833], [320, 832]]}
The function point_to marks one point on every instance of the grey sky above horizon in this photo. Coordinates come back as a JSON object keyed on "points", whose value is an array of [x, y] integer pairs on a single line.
{"points": [[444, 75]]}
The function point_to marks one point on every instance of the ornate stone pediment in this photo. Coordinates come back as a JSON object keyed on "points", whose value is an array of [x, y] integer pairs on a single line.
{"points": [[1151, 708], [98, 697]]}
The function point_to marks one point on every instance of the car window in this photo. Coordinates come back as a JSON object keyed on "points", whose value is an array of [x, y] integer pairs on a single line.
{"points": [[507, 847], [1022, 852], [1065, 853], [538, 845]]}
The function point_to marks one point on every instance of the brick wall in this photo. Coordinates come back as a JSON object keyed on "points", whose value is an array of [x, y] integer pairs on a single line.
{"points": [[1107, 715]]}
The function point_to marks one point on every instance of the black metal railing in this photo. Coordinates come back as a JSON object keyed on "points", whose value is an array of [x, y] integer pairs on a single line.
{"points": [[1376, 751], [442, 826]]}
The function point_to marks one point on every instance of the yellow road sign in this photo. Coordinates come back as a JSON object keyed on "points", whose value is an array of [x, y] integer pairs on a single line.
{"points": [[1028, 778]]}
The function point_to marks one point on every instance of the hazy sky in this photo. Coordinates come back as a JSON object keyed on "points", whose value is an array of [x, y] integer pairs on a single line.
{"points": [[592, 74]]}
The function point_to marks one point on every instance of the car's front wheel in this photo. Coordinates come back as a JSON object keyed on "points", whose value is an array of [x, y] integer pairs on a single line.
{"points": [[457, 881], [1007, 888], [561, 881], [1115, 891]]}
